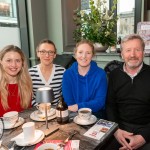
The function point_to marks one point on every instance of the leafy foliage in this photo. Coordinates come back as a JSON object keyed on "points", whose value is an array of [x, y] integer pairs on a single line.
{"points": [[97, 25]]}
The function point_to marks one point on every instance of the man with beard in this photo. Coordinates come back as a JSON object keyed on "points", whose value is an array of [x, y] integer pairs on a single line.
{"points": [[128, 99]]}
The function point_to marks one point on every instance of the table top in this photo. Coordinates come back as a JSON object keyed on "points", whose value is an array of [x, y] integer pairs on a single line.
{"points": [[61, 134]]}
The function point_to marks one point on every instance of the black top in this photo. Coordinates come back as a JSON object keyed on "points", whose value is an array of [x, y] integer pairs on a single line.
{"points": [[128, 100]]}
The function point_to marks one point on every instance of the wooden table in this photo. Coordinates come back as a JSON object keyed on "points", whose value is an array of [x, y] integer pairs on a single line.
{"points": [[63, 132]]}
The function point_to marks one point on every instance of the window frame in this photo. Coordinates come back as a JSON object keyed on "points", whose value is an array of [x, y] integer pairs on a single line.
{"points": [[137, 13]]}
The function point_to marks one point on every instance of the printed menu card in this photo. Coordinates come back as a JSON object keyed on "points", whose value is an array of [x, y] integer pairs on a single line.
{"points": [[102, 129]]}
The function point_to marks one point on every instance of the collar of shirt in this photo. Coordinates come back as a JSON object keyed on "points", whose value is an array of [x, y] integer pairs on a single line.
{"points": [[132, 76]]}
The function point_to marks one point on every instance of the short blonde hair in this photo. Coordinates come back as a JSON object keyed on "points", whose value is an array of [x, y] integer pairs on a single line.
{"points": [[132, 37]]}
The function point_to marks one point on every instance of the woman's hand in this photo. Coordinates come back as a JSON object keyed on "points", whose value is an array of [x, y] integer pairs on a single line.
{"points": [[73, 108]]}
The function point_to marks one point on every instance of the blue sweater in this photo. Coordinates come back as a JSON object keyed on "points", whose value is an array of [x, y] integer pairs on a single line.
{"points": [[85, 91]]}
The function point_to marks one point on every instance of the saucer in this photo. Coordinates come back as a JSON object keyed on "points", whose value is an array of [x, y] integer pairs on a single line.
{"points": [[10, 126], [51, 112], [39, 135], [79, 121], [35, 116]]}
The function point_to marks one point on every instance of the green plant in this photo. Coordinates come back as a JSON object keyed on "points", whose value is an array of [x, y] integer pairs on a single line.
{"points": [[97, 25]]}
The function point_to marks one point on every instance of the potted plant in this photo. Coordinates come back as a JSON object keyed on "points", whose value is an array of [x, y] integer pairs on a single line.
{"points": [[97, 25]]}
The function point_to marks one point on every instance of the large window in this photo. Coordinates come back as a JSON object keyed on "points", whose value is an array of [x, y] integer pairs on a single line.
{"points": [[13, 24], [126, 12], [9, 29], [129, 12], [8, 13]]}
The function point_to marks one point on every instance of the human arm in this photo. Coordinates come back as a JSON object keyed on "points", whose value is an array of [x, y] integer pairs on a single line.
{"points": [[73, 108], [68, 88], [111, 104], [96, 93]]}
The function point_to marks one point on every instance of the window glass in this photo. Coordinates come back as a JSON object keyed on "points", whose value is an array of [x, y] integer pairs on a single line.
{"points": [[125, 11], [125, 24], [8, 13], [9, 26]]}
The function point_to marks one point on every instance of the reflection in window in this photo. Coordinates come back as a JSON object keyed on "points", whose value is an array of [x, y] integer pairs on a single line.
{"points": [[125, 24], [8, 13]]}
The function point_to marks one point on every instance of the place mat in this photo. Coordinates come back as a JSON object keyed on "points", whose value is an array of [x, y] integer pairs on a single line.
{"points": [[71, 145]]}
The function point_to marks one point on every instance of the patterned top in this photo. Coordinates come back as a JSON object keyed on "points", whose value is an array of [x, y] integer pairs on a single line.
{"points": [[55, 81]]}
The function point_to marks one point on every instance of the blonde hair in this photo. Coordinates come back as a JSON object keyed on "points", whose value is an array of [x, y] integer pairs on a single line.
{"points": [[23, 80], [84, 41]]}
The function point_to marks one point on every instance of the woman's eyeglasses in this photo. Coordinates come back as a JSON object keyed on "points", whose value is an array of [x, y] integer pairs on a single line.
{"points": [[44, 52]]}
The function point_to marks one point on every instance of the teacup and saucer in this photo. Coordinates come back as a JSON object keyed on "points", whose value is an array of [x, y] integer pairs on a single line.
{"points": [[29, 136], [42, 107], [84, 114], [10, 117], [85, 117]]}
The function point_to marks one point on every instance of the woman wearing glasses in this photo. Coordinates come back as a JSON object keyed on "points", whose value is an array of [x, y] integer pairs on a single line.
{"points": [[46, 73]]}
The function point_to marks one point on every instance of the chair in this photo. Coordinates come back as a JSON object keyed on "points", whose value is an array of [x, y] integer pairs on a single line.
{"points": [[64, 60], [112, 65]]}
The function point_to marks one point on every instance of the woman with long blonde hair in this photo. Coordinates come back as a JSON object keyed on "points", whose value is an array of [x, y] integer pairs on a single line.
{"points": [[15, 81]]}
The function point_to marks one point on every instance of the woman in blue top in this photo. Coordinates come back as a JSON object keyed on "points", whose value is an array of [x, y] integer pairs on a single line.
{"points": [[84, 84]]}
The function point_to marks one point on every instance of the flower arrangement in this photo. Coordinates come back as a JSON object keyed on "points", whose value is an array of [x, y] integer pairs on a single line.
{"points": [[98, 25]]}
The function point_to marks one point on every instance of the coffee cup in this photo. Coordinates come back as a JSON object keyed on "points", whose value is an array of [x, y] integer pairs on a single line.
{"points": [[28, 131], [41, 108], [84, 113], [10, 117]]}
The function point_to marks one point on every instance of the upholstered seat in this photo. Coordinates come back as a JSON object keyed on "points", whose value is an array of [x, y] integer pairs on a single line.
{"points": [[112, 65]]}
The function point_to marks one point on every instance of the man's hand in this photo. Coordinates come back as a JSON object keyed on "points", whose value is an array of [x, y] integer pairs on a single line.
{"points": [[121, 137], [73, 108], [136, 141]]}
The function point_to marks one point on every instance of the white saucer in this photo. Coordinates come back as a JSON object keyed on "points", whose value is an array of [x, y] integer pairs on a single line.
{"points": [[39, 135], [51, 112], [10, 126], [35, 116], [47, 146], [79, 121]]}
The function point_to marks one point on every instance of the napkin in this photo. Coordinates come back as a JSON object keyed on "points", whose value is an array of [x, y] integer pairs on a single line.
{"points": [[71, 145], [20, 138]]}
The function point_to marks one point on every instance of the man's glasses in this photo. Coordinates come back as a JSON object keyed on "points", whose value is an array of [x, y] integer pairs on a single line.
{"points": [[44, 52]]}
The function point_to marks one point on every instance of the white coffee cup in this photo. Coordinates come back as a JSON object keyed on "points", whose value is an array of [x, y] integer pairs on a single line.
{"points": [[84, 113], [41, 107], [29, 131], [10, 117]]}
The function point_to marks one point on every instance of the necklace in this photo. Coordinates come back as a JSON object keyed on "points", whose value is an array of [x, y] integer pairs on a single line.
{"points": [[12, 91]]}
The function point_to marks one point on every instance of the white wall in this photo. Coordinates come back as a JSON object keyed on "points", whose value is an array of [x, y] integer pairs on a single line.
{"points": [[9, 35]]}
